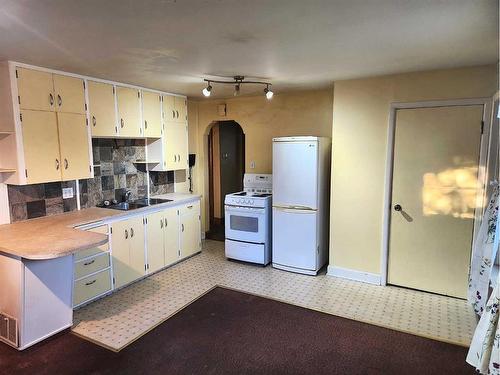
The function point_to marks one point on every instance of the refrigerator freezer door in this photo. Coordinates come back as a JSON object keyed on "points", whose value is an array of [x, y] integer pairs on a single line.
{"points": [[295, 174], [294, 238]]}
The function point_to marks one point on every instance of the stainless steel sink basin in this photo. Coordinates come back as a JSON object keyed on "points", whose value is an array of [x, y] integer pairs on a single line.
{"points": [[138, 203]]}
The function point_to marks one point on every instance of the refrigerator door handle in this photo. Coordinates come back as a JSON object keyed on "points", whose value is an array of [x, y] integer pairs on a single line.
{"points": [[304, 208], [295, 210]]}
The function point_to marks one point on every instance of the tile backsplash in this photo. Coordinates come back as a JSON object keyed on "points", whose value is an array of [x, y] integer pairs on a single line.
{"points": [[117, 168]]}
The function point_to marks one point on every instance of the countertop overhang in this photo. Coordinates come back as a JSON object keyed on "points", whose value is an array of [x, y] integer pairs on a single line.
{"points": [[56, 236]]}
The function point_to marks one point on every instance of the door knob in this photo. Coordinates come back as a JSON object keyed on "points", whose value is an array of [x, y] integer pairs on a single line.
{"points": [[397, 207]]}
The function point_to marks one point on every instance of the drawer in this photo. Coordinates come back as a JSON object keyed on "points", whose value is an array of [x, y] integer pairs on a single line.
{"points": [[88, 266], [92, 286], [190, 208]]}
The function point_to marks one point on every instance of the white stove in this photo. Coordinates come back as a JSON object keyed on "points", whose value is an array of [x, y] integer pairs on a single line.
{"points": [[248, 220]]}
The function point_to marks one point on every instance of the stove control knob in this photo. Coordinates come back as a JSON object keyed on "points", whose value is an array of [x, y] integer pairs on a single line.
{"points": [[238, 201], [251, 202]]}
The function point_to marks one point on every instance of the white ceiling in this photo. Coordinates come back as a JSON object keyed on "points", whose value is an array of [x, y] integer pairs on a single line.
{"points": [[295, 44]]}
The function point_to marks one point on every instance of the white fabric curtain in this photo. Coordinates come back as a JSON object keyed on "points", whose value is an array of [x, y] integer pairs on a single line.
{"points": [[483, 255], [484, 351]]}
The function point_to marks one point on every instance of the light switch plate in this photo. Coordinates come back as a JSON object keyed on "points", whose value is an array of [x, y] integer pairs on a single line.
{"points": [[252, 164], [68, 193]]}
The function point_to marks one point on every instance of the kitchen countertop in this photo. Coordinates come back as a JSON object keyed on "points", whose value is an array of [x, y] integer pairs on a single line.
{"points": [[55, 236]]}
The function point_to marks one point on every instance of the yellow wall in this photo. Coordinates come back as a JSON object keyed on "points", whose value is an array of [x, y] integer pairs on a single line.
{"points": [[297, 113], [360, 124]]}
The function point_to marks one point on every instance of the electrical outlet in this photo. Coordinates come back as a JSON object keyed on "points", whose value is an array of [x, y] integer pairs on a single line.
{"points": [[68, 193], [252, 164]]}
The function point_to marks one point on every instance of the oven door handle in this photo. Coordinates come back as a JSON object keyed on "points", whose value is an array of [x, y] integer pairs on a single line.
{"points": [[231, 208]]}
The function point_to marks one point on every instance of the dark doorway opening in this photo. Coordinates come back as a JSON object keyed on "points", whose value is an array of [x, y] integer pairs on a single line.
{"points": [[226, 158]]}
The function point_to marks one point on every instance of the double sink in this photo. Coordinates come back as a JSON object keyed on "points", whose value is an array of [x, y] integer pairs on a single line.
{"points": [[137, 203]]}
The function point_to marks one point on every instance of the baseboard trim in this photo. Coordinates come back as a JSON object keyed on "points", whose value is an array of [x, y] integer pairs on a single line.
{"points": [[346, 273]]}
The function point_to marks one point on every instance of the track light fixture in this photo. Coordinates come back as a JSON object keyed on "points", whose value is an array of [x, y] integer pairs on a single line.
{"points": [[206, 90], [237, 82]]}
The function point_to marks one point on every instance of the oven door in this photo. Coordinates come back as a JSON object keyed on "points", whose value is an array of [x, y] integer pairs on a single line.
{"points": [[246, 224]]}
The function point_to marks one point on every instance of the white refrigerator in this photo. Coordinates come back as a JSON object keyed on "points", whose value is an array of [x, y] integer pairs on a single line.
{"points": [[301, 202]]}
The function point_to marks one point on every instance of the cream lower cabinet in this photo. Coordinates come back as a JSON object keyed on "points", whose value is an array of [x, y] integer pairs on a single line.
{"points": [[129, 261], [162, 234], [190, 221]]}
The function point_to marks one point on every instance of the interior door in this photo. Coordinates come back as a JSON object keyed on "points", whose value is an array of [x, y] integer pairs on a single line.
{"points": [[128, 101], [151, 113], [155, 241], [295, 241], [69, 94], [35, 90], [434, 193], [295, 174], [102, 109], [171, 233], [41, 146], [169, 108], [74, 146]]}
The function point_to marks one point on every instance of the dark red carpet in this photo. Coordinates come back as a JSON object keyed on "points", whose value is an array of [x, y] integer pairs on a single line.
{"points": [[228, 332]]}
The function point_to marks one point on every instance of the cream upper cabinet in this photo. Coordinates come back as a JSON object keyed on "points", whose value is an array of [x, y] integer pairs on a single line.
{"points": [[190, 229], [69, 94], [181, 108], [176, 146], [74, 146], [35, 90], [129, 112], [152, 114], [41, 146], [169, 114], [102, 109], [128, 250]]}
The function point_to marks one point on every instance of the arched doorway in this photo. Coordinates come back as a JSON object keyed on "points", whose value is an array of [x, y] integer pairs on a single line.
{"points": [[226, 166]]}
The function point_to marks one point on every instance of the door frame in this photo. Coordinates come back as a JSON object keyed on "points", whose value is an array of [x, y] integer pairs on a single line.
{"points": [[483, 165]]}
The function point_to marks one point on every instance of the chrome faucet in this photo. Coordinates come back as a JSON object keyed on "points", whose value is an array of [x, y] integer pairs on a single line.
{"points": [[127, 195]]}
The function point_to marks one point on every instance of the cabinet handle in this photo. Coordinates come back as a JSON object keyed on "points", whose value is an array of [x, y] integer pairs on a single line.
{"points": [[89, 263], [91, 282], [122, 123], [66, 164], [173, 113], [177, 114], [57, 164], [166, 222], [161, 223], [126, 234], [145, 124], [182, 225], [59, 100], [51, 99], [131, 232], [94, 121], [189, 207]]}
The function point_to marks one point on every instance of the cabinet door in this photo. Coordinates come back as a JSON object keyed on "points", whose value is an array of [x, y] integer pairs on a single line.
{"points": [[182, 146], [171, 233], [176, 146], [190, 234], [181, 108], [154, 236], [151, 114], [137, 251], [74, 146], [169, 108], [35, 90], [41, 146], [102, 109], [69, 94], [120, 248], [129, 103]]}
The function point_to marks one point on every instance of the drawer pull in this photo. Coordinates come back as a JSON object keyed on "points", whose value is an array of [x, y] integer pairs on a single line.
{"points": [[190, 207], [89, 263], [91, 282]]}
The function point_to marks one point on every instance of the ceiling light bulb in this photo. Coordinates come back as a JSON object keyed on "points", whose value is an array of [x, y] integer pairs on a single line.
{"points": [[206, 90], [236, 90], [269, 93]]}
